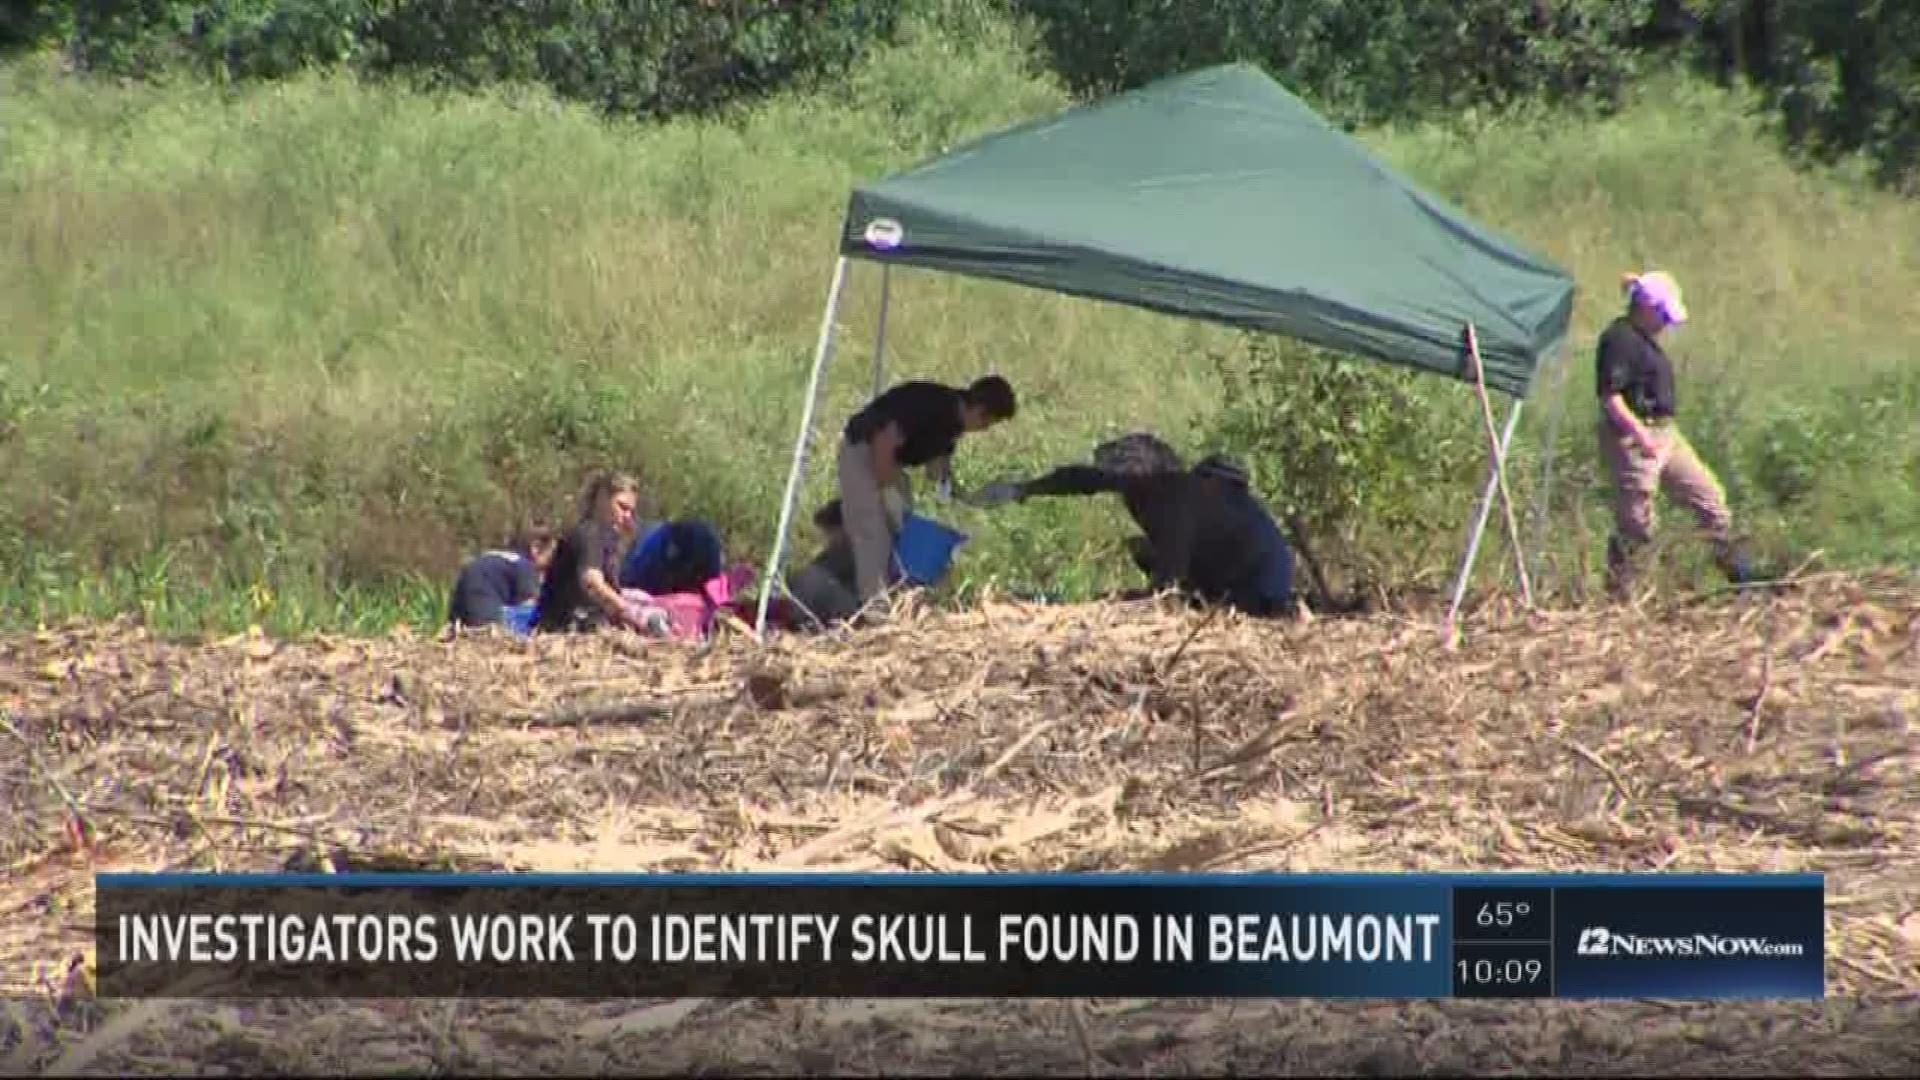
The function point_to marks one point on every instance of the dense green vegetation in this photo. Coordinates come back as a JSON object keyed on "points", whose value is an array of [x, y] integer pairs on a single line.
{"points": [[310, 309]]}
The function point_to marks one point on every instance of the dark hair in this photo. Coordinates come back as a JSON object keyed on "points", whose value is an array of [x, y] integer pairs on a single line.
{"points": [[1223, 468], [993, 395], [829, 516], [532, 535], [1138, 454]]}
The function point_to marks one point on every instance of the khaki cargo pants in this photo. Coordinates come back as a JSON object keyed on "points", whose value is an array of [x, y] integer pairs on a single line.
{"points": [[871, 516], [1676, 468]]}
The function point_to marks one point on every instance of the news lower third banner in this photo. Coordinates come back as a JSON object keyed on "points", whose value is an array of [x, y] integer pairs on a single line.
{"points": [[945, 936]]}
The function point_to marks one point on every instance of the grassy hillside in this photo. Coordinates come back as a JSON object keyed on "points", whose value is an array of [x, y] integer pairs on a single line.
{"points": [[284, 355]]}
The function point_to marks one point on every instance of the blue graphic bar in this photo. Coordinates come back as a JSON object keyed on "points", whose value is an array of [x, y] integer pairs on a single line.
{"points": [[1680, 936]]}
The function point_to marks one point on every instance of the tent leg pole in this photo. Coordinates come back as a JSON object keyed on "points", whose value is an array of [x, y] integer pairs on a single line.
{"points": [[1478, 531], [1543, 509], [880, 333], [1474, 534], [1513, 519], [822, 350], [1499, 447]]}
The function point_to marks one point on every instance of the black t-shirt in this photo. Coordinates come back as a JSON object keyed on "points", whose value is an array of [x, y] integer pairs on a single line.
{"points": [[1631, 364], [564, 603], [927, 413], [490, 583]]}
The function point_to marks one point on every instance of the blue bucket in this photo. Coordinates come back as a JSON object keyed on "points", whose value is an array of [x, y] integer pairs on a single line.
{"points": [[925, 549], [519, 617]]}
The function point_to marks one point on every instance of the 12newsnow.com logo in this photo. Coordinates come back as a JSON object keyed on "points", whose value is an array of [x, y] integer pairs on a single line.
{"points": [[1600, 941]]}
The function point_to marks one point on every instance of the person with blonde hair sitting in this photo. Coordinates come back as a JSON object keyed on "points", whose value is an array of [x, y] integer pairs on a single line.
{"points": [[581, 590]]}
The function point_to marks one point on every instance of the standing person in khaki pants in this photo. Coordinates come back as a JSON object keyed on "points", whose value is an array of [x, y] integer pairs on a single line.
{"points": [[912, 424], [1643, 446]]}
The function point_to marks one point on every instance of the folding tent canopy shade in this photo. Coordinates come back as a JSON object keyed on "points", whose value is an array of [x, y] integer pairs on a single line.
{"points": [[1217, 195]]}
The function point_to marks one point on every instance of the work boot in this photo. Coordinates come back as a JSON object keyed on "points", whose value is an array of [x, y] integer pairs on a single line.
{"points": [[1623, 557], [1732, 561]]}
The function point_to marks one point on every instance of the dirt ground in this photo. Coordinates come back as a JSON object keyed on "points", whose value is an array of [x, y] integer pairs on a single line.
{"points": [[1718, 734]]}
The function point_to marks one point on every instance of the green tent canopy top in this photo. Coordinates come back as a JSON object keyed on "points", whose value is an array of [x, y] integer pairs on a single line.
{"points": [[1218, 195]]}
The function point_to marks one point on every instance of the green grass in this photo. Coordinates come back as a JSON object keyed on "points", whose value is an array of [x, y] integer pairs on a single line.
{"points": [[286, 354]]}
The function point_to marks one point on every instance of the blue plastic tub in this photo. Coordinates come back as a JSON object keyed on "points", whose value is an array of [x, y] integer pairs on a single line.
{"points": [[925, 549], [519, 617]]}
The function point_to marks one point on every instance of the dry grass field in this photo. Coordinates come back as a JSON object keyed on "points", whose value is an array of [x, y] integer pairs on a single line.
{"points": [[1768, 733]]}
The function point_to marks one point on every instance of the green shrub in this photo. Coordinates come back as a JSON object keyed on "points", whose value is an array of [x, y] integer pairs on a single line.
{"points": [[1342, 447]]}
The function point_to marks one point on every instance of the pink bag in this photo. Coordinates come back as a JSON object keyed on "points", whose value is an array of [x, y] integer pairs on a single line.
{"points": [[721, 590], [691, 614], [691, 617]]}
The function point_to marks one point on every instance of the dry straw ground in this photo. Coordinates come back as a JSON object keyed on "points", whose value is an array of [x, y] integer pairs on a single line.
{"points": [[1775, 733]]}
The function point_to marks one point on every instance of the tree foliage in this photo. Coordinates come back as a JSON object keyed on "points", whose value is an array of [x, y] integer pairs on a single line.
{"points": [[1359, 60], [1844, 76], [633, 57], [25, 26]]}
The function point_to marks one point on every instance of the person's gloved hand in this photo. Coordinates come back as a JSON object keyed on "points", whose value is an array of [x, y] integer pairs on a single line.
{"points": [[998, 493]]}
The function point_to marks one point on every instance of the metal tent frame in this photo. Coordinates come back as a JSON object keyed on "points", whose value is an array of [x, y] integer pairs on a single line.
{"points": [[1499, 442]]}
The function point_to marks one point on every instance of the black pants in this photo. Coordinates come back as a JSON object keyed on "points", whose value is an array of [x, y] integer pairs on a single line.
{"points": [[1244, 597]]}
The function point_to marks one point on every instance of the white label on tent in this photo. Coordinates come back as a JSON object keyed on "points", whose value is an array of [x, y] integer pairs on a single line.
{"points": [[884, 233]]}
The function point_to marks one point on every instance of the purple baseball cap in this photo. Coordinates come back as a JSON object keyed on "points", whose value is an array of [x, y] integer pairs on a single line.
{"points": [[1658, 290]]}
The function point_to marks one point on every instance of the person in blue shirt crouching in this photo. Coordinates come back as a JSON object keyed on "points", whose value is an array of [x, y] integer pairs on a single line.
{"points": [[499, 587]]}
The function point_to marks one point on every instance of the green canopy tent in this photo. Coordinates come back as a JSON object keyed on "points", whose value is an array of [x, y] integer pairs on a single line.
{"points": [[1217, 195]]}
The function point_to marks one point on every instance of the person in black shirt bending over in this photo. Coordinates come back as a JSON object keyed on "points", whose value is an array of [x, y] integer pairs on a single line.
{"points": [[1206, 533], [912, 424]]}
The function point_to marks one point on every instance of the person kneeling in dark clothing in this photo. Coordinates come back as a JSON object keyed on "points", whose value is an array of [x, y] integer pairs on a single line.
{"points": [[825, 587], [678, 556], [504, 578], [1205, 532]]}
